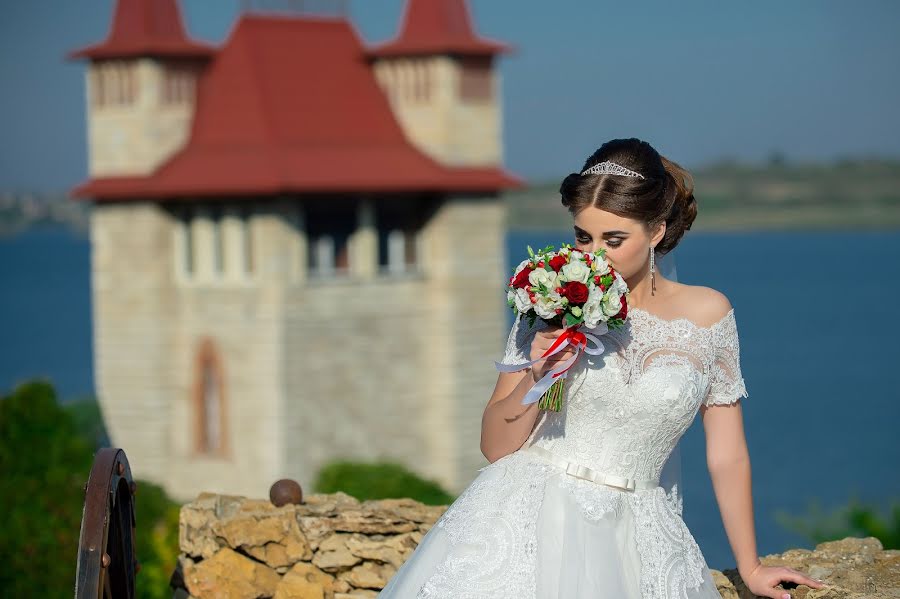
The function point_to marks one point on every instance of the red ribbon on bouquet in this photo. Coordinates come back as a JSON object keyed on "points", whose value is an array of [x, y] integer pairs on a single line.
{"points": [[570, 336]]}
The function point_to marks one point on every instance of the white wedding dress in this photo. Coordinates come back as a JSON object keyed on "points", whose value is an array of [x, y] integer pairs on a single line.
{"points": [[528, 528]]}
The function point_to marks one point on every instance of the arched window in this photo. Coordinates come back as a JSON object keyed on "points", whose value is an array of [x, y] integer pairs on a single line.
{"points": [[209, 401]]}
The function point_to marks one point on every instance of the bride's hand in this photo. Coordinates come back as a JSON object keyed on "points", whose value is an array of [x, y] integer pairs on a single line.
{"points": [[762, 580], [541, 343]]}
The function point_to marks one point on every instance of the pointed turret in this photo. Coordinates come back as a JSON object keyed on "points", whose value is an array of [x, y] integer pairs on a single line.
{"points": [[440, 79], [438, 27], [141, 84], [146, 28]]}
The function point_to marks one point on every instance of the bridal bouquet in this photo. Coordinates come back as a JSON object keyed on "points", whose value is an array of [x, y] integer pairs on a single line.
{"points": [[570, 289]]}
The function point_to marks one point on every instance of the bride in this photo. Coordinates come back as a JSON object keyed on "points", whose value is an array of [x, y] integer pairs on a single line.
{"points": [[571, 505]]}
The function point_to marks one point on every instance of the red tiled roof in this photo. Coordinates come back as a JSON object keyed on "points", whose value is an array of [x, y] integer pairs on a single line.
{"points": [[291, 105], [146, 28], [437, 27]]}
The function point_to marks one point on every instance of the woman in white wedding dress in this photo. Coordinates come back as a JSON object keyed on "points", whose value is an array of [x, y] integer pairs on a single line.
{"points": [[536, 523]]}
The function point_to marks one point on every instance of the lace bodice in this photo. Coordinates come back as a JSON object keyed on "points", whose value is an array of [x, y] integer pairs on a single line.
{"points": [[625, 410]]}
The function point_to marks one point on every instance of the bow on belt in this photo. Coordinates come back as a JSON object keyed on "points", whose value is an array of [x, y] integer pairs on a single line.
{"points": [[579, 471]]}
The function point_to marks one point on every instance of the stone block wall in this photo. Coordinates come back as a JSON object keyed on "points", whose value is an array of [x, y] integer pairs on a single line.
{"points": [[331, 546]]}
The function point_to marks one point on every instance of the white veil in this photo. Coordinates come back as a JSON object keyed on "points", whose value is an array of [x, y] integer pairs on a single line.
{"points": [[671, 473]]}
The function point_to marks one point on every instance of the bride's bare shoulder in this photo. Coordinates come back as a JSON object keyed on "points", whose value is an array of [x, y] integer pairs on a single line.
{"points": [[703, 305]]}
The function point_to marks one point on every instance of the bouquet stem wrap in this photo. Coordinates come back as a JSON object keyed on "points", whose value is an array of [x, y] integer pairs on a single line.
{"points": [[551, 384]]}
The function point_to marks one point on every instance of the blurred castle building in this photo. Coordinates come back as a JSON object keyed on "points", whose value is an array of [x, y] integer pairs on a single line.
{"points": [[297, 244]]}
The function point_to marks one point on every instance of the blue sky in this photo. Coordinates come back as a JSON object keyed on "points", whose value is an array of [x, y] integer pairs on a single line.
{"points": [[701, 81]]}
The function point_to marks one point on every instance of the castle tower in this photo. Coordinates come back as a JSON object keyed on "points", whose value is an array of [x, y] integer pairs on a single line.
{"points": [[440, 78], [276, 268], [141, 84]]}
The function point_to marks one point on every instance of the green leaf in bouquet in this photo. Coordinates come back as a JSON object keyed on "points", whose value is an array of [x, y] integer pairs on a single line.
{"points": [[571, 320], [530, 252]]}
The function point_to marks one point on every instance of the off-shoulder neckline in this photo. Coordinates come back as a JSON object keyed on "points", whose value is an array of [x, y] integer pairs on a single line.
{"points": [[672, 321]]}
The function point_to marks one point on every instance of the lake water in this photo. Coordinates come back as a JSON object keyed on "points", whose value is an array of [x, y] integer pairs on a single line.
{"points": [[818, 332]]}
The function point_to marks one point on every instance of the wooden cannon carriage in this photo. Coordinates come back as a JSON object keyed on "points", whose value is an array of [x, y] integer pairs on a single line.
{"points": [[107, 564]]}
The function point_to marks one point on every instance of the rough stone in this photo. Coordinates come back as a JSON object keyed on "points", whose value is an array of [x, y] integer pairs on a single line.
{"points": [[369, 575], [851, 568], [229, 574], [333, 554], [305, 581]]}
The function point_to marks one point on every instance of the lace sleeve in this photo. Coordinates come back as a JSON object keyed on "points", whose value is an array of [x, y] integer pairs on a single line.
{"points": [[518, 343], [726, 382]]}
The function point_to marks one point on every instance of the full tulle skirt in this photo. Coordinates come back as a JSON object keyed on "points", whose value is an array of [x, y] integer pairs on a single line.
{"points": [[526, 529]]}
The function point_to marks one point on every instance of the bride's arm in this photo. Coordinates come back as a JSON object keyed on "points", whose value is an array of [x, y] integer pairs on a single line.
{"points": [[729, 468], [506, 423]]}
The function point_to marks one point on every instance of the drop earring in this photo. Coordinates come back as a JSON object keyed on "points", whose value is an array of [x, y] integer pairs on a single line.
{"points": [[652, 270]]}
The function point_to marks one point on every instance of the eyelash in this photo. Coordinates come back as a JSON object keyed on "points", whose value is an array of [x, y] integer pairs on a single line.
{"points": [[587, 240]]}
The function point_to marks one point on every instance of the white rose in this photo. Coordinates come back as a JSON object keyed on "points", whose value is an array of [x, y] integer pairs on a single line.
{"points": [[620, 285], [546, 306], [592, 312], [522, 265], [600, 266], [543, 276], [576, 271], [576, 255], [612, 304], [523, 301]]}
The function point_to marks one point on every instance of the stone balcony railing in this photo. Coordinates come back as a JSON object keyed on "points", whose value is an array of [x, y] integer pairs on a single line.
{"points": [[335, 547]]}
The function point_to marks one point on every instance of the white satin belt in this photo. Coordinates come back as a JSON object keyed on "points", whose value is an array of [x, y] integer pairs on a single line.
{"points": [[579, 471]]}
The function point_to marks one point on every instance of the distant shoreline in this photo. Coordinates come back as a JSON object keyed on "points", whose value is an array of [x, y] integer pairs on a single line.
{"points": [[846, 194], [861, 195]]}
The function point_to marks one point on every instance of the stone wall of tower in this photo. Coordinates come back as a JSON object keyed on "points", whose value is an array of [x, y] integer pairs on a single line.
{"points": [[243, 314], [400, 369], [424, 94], [151, 320], [132, 301], [365, 366], [466, 244], [137, 115]]}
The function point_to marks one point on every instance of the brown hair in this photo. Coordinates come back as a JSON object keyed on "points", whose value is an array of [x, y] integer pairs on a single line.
{"points": [[665, 194]]}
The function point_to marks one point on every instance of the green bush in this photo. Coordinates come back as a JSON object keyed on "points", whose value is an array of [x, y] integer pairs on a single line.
{"points": [[88, 421], [856, 519], [378, 480], [46, 454], [45, 465], [156, 540]]}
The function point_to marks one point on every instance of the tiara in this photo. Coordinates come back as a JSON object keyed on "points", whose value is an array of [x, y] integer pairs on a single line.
{"points": [[611, 168]]}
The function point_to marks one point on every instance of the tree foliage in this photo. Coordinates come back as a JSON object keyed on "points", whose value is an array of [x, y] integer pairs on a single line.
{"points": [[46, 454], [378, 480], [856, 519]]}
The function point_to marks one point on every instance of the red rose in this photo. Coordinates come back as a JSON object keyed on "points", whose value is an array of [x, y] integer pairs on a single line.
{"points": [[521, 280], [576, 291], [557, 262], [624, 311]]}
